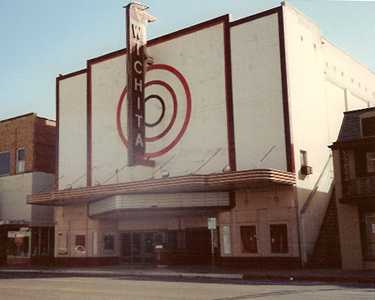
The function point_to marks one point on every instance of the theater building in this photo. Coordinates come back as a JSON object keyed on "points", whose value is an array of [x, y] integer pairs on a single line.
{"points": [[354, 157], [27, 165], [238, 118]]}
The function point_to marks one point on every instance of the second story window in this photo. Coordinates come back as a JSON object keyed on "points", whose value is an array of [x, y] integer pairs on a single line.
{"points": [[370, 162], [20, 165], [4, 163], [368, 126]]}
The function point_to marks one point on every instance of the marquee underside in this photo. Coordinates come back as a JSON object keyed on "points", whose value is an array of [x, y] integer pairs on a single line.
{"points": [[216, 182]]}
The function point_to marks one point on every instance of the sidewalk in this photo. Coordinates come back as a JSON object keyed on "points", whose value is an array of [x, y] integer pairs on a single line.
{"points": [[191, 272]]}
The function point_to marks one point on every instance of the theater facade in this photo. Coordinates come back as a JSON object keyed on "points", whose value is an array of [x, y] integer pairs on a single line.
{"points": [[235, 122]]}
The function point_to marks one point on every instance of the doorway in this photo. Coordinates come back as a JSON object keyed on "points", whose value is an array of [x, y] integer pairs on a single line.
{"points": [[139, 247]]}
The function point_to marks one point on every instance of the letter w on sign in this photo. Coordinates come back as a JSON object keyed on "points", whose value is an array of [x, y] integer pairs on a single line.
{"points": [[136, 21]]}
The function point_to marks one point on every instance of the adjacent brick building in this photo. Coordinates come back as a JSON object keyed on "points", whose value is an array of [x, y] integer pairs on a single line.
{"points": [[27, 165], [354, 161]]}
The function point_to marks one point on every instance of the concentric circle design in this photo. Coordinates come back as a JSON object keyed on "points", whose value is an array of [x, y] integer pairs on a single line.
{"points": [[181, 79], [161, 101]]}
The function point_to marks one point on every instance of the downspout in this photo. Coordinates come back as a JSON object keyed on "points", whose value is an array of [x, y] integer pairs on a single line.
{"points": [[286, 101]]}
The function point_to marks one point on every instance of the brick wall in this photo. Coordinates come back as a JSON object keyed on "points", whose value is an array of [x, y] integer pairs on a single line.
{"points": [[36, 135], [45, 146]]}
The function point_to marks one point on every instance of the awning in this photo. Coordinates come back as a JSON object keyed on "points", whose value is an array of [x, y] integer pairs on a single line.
{"points": [[219, 182]]}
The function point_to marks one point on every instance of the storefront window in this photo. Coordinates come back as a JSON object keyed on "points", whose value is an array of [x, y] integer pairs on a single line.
{"points": [[18, 243], [279, 238], [4, 163], [109, 242], [249, 239]]}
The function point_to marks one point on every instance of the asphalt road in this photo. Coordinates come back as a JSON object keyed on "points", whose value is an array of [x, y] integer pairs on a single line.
{"points": [[92, 288]]}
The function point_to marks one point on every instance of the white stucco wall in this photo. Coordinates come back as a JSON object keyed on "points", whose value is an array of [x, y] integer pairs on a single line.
{"points": [[257, 94], [13, 192], [42, 215], [199, 57], [320, 89], [261, 209], [72, 132]]}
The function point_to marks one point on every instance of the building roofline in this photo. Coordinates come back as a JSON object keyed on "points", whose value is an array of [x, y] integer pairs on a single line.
{"points": [[350, 56], [18, 117], [26, 115], [71, 74], [47, 119], [322, 37], [359, 110]]}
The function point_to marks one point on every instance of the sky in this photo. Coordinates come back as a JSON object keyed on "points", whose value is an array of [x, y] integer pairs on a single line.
{"points": [[44, 38]]}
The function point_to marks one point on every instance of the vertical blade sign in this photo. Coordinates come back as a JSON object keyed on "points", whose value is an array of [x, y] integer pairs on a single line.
{"points": [[137, 19]]}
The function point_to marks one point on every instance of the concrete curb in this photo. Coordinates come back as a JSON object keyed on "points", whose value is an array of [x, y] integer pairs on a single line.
{"points": [[190, 275], [128, 274], [320, 278]]}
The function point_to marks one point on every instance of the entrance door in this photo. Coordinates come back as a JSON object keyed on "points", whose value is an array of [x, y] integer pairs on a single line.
{"points": [[139, 247], [148, 247], [136, 248]]}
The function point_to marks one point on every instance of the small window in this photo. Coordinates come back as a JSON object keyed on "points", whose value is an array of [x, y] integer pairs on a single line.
{"points": [[80, 240], [368, 126], [370, 162], [279, 238], [4, 163], [227, 246], [20, 166], [109, 242], [303, 157], [249, 239]]}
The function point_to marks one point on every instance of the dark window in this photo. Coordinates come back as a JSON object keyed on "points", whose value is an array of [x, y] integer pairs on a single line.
{"points": [[364, 162], [4, 163], [20, 167], [172, 240], [370, 162], [279, 238], [109, 242], [80, 240], [20, 154], [249, 239], [369, 236], [303, 157], [368, 126], [198, 241]]}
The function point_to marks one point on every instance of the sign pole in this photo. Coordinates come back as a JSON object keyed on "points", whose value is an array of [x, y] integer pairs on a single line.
{"points": [[212, 249]]}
